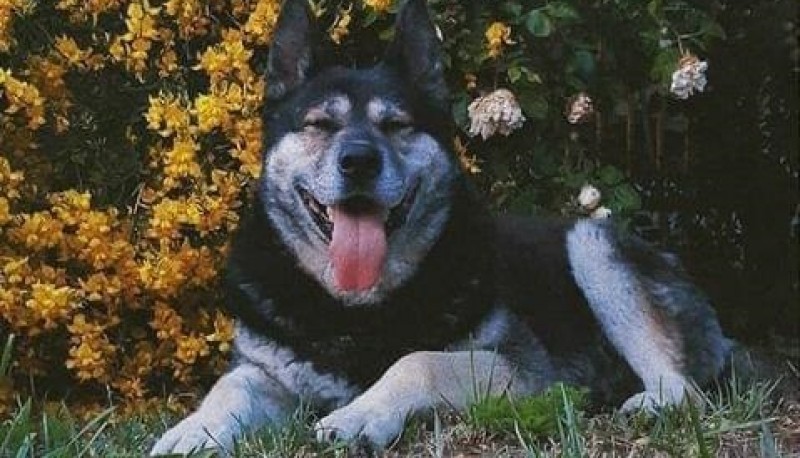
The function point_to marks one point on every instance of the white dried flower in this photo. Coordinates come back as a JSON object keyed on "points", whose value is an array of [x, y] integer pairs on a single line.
{"points": [[600, 212], [589, 198], [689, 77], [579, 108], [496, 112]]}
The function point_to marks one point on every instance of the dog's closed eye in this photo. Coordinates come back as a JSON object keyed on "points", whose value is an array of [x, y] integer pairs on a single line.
{"points": [[390, 126], [324, 124]]}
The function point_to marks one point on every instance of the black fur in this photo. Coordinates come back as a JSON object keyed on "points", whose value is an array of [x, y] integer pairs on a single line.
{"points": [[443, 303]]}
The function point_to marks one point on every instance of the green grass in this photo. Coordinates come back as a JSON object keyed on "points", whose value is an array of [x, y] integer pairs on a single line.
{"points": [[537, 416], [738, 419]]}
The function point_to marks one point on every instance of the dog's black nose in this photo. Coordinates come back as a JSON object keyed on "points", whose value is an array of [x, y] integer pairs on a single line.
{"points": [[360, 161]]}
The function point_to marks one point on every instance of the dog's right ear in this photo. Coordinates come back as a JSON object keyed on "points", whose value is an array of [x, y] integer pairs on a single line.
{"points": [[290, 55], [416, 51]]}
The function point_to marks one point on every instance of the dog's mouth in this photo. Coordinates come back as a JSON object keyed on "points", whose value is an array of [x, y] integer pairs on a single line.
{"points": [[357, 230], [322, 215]]}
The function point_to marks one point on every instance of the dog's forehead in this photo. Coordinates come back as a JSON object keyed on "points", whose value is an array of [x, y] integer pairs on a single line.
{"points": [[369, 92]]}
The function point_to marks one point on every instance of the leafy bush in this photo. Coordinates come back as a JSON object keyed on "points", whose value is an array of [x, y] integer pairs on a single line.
{"points": [[130, 131]]}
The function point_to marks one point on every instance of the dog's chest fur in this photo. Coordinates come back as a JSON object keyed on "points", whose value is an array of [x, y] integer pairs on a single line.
{"points": [[443, 303]]}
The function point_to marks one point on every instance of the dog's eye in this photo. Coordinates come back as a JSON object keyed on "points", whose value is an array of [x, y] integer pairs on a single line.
{"points": [[395, 125], [322, 124]]}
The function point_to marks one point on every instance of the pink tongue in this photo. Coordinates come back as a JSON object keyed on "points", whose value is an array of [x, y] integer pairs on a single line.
{"points": [[358, 249]]}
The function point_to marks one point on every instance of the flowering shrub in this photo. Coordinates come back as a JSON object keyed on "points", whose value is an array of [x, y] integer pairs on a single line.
{"points": [[130, 131]]}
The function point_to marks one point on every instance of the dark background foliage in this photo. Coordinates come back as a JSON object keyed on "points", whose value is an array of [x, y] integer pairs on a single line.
{"points": [[714, 177]]}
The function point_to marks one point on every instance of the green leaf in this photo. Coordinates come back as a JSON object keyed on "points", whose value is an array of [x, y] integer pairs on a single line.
{"points": [[369, 18], [539, 24], [512, 9], [610, 175], [514, 74], [712, 29], [664, 64], [386, 34], [654, 8], [531, 76], [583, 64], [575, 180], [533, 102], [625, 198], [459, 110], [563, 11]]}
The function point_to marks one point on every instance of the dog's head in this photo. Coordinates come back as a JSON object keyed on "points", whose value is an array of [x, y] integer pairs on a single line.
{"points": [[356, 178]]}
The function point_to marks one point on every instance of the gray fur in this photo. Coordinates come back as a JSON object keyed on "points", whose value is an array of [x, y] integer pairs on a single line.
{"points": [[306, 158], [625, 312]]}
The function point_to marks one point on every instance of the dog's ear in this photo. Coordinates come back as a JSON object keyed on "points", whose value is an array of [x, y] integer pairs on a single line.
{"points": [[416, 53], [290, 55]]}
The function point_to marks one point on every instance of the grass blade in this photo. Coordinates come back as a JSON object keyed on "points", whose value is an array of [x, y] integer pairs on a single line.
{"points": [[5, 359], [20, 423]]}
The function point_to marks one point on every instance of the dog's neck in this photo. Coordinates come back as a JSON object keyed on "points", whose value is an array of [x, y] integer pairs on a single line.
{"points": [[450, 293]]}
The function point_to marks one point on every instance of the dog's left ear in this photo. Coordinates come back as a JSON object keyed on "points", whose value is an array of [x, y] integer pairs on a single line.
{"points": [[416, 53], [290, 56]]}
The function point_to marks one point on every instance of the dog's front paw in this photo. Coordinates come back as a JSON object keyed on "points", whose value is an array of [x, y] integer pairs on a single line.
{"points": [[193, 434], [651, 402], [377, 426]]}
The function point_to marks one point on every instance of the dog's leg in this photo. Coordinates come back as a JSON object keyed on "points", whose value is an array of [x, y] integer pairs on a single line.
{"points": [[415, 383], [243, 399], [628, 318]]}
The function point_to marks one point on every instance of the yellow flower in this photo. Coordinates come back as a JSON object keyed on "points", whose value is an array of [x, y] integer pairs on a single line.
{"points": [[91, 351], [10, 180], [100, 287], [8, 10], [141, 20], [133, 47], [380, 6], [211, 112], [180, 161], [70, 51], [247, 149], [16, 270], [94, 241], [166, 272], [341, 25], [167, 63], [223, 332], [38, 231], [468, 161], [170, 215], [168, 115], [5, 211], [131, 388], [51, 304], [166, 322], [81, 10], [497, 36], [191, 15], [22, 96], [116, 49], [70, 206], [261, 23], [190, 348], [227, 58], [80, 327]]}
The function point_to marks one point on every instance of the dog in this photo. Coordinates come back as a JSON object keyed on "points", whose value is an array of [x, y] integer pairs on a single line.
{"points": [[370, 282]]}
